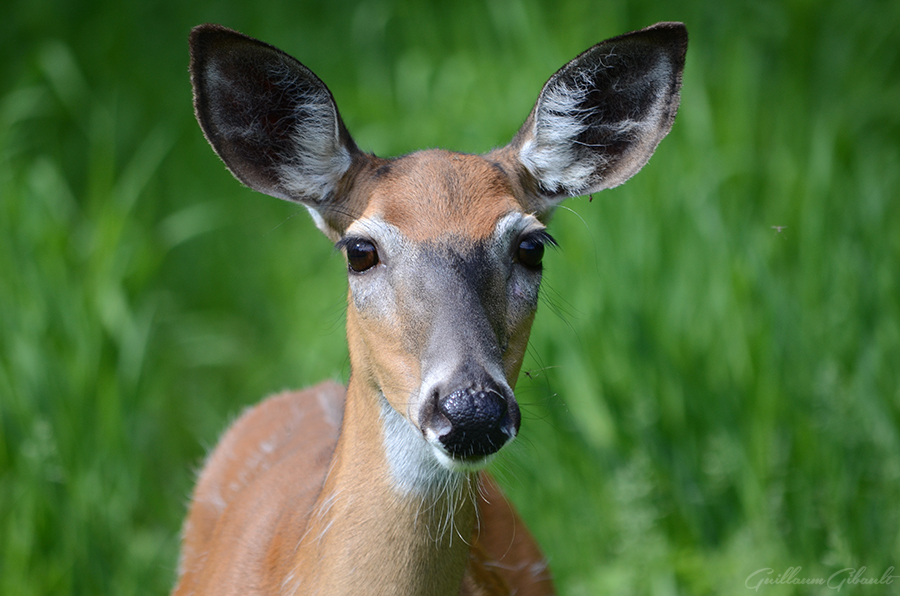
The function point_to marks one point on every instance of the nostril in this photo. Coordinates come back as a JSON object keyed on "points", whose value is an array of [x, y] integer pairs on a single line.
{"points": [[437, 421]]}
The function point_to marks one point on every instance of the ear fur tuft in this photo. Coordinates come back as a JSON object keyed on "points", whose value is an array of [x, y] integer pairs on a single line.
{"points": [[270, 119], [598, 120]]}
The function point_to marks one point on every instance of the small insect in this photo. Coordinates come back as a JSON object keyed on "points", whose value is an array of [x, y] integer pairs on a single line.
{"points": [[535, 373], [778, 229]]}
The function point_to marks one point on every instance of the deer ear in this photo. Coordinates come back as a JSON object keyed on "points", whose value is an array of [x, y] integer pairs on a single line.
{"points": [[598, 120], [270, 119]]}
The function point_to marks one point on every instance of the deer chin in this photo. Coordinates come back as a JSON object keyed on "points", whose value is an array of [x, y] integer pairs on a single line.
{"points": [[458, 464]]}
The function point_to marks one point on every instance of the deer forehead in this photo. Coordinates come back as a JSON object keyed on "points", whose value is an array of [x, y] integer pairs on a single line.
{"points": [[436, 194]]}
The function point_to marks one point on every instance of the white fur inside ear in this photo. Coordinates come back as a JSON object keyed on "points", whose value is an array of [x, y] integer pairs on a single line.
{"points": [[319, 159], [550, 154], [566, 166]]}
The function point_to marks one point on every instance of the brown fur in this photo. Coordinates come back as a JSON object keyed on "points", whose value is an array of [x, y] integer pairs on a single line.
{"points": [[439, 193], [257, 493]]}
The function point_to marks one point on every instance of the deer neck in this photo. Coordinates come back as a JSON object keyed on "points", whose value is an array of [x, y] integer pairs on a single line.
{"points": [[389, 516]]}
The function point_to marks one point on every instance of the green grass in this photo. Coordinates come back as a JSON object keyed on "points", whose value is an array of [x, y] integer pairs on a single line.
{"points": [[705, 396]]}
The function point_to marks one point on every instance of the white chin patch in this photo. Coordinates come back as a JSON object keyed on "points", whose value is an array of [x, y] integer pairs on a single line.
{"points": [[451, 463], [417, 467]]}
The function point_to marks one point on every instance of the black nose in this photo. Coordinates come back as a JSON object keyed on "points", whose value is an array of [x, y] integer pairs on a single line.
{"points": [[481, 421]]}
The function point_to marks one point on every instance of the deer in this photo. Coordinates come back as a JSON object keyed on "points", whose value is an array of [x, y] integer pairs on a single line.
{"points": [[380, 488]]}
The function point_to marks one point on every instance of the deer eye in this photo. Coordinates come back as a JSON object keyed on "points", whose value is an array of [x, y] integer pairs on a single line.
{"points": [[361, 255], [531, 249]]}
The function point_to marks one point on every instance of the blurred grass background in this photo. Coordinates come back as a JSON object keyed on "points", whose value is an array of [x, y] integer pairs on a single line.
{"points": [[704, 396]]}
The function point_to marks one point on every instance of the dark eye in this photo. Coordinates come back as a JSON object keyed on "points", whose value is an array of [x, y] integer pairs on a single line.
{"points": [[531, 251], [361, 255]]}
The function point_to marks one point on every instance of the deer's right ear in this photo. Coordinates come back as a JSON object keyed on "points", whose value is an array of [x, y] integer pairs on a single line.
{"points": [[272, 121], [598, 120]]}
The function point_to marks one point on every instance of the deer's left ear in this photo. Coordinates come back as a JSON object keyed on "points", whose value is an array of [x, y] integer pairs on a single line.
{"points": [[598, 120]]}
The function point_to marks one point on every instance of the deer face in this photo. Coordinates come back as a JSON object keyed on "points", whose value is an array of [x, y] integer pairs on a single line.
{"points": [[443, 249]]}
